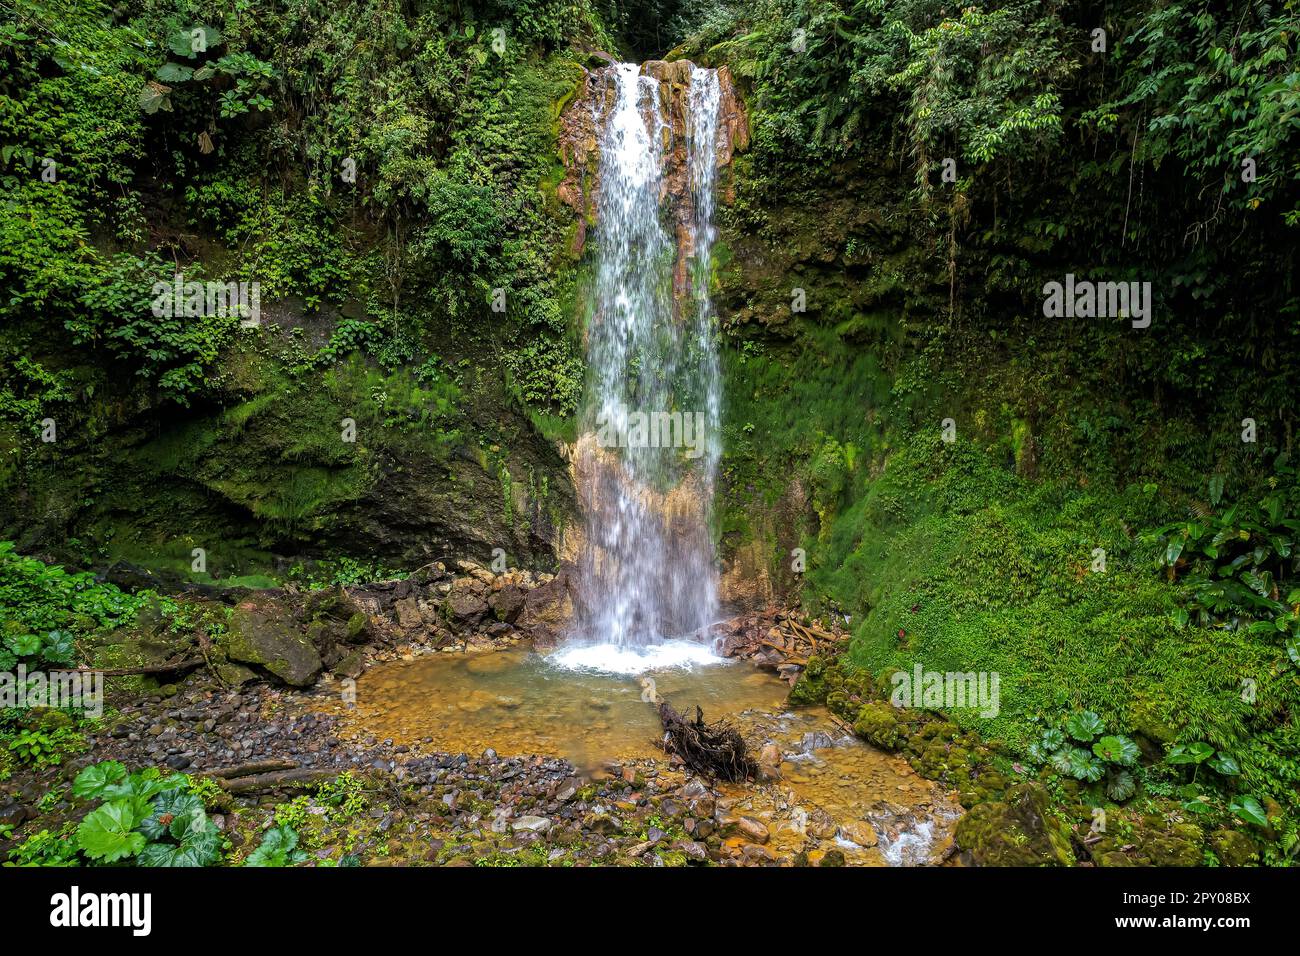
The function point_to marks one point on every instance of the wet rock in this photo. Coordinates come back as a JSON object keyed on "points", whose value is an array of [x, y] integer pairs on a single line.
{"points": [[13, 814], [754, 830], [821, 825], [466, 603], [408, 614], [351, 665], [547, 609], [754, 855], [859, 832], [692, 850]]}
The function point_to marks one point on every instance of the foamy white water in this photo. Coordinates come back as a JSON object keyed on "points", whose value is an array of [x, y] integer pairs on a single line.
{"points": [[612, 659]]}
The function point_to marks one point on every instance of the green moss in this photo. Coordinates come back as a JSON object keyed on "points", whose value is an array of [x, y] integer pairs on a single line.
{"points": [[878, 723], [1021, 831]]}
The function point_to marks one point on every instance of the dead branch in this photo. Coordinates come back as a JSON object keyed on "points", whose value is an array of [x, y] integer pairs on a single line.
{"points": [[128, 671]]}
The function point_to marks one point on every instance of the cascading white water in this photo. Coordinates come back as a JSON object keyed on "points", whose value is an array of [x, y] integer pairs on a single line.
{"points": [[649, 453]]}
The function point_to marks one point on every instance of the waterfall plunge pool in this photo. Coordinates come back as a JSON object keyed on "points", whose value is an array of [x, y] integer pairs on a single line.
{"points": [[832, 787], [573, 702]]}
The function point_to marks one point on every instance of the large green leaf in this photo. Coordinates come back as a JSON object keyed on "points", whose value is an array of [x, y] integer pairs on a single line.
{"points": [[1120, 786], [24, 645], [1249, 809], [1116, 749], [175, 813], [278, 848], [1084, 725], [95, 779], [199, 848], [107, 834], [1084, 767], [174, 73], [1226, 764], [1198, 752]]}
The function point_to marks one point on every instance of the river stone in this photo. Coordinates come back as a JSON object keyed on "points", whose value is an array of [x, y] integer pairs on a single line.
{"points": [[350, 666], [259, 636], [532, 824], [755, 830], [858, 832]]}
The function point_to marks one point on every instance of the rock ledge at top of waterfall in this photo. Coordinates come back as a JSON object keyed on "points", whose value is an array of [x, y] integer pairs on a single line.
{"points": [[580, 136]]}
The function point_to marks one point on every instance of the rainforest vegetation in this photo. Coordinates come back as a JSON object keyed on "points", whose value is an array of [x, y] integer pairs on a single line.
{"points": [[1104, 513]]}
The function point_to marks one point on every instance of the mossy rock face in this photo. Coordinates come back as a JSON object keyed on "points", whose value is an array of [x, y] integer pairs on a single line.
{"points": [[350, 666], [878, 723], [265, 637], [1234, 848], [982, 788], [1148, 719], [1016, 832], [235, 675], [144, 645]]}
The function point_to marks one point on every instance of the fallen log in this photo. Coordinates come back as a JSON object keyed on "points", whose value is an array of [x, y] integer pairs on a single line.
{"points": [[254, 767], [271, 781], [716, 750]]}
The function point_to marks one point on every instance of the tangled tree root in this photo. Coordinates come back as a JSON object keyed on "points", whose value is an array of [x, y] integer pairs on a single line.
{"points": [[714, 750]]}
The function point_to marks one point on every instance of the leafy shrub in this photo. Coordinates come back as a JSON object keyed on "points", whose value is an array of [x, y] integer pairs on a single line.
{"points": [[145, 816], [1109, 757], [43, 606], [1234, 565], [279, 847], [42, 748], [46, 849]]}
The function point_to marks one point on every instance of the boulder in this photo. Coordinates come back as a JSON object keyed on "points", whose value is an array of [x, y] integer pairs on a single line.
{"points": [[466, 602], [264, 636], [548, 608], [350, 666], [878, 723]]}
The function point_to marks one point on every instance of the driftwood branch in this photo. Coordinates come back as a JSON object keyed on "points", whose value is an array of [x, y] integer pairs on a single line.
{"points": [[128, 671], [275, 779]]}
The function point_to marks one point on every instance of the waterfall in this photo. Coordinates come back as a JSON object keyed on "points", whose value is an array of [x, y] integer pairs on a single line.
{"points": [[648, 456]]}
